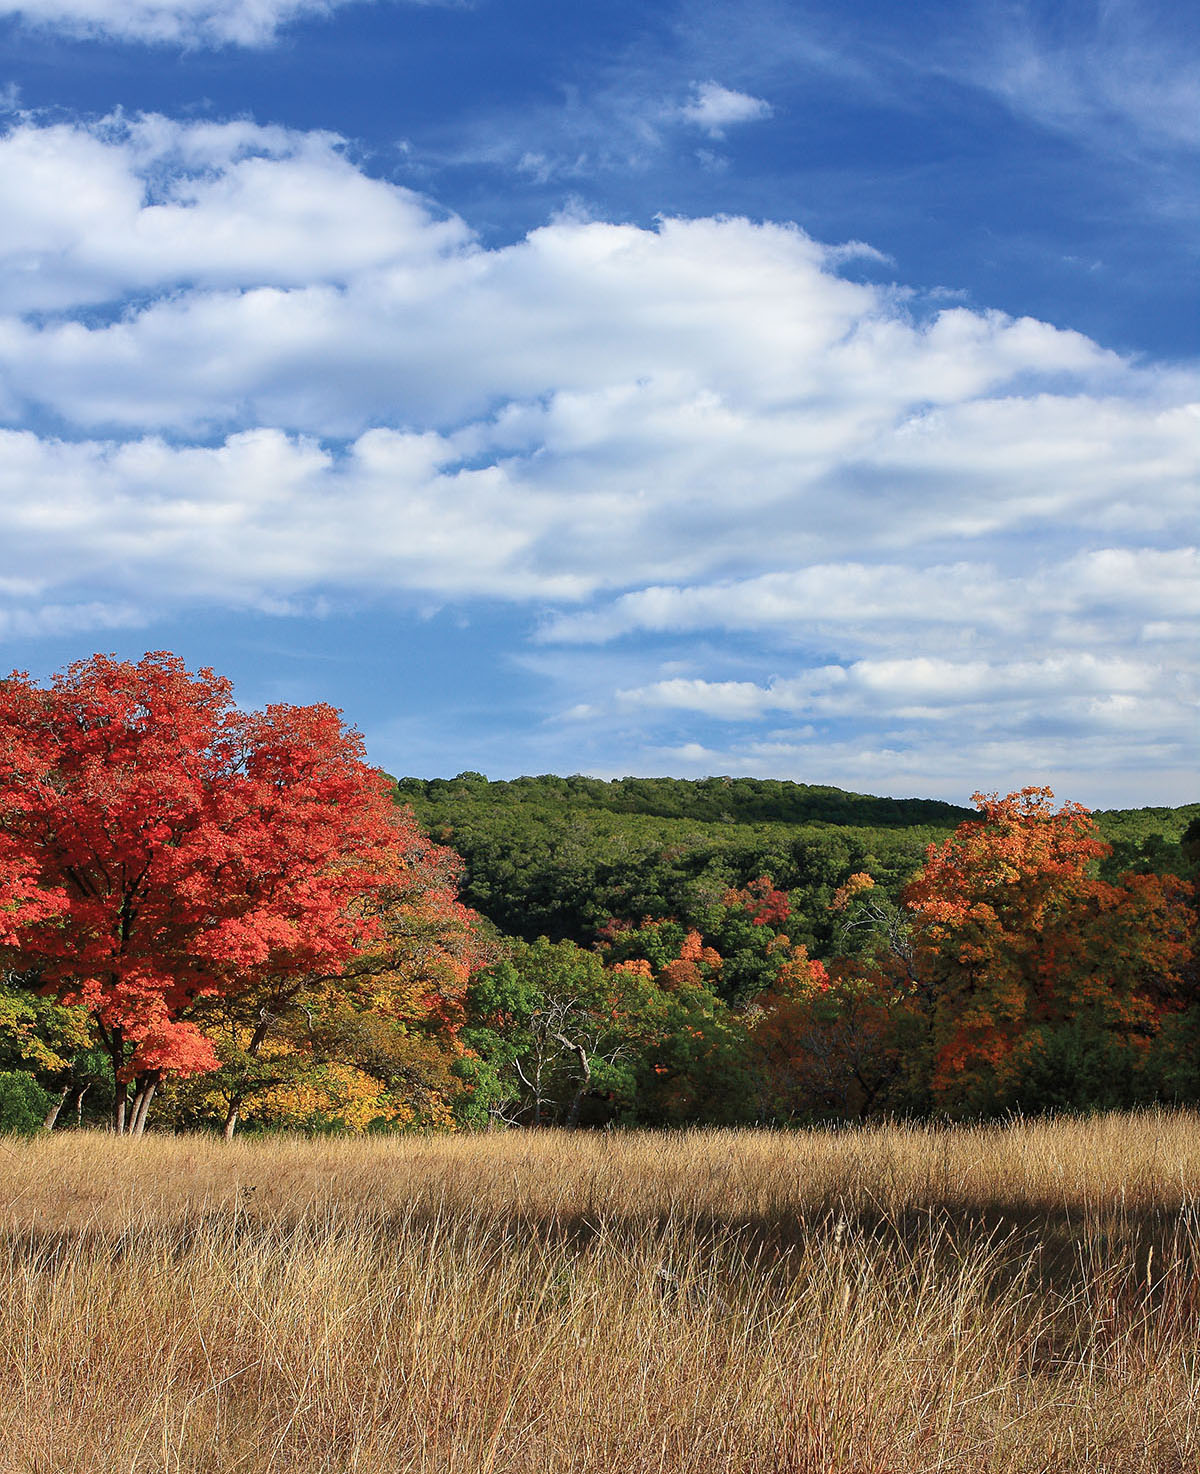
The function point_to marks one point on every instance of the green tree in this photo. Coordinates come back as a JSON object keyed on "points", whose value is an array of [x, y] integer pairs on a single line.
{"points": [[550, 1029], [53, 1043]]}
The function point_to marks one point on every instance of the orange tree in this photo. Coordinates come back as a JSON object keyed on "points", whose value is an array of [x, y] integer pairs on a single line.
{"points": [[1010, 974], [733, 1015], [695, 1008], [692, 1057], [1047, 985]]}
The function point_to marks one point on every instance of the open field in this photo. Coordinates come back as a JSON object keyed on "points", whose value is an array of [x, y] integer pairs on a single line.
{"points": [[886, 1301]]}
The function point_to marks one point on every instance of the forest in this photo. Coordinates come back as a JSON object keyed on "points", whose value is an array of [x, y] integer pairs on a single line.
{"points": [[229, 921]]}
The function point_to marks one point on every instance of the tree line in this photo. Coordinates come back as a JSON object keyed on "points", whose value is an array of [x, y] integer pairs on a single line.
{"points": [[212, 918]]}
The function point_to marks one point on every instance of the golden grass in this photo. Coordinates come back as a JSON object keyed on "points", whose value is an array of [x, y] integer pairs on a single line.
{"points": [[885, 1301]]}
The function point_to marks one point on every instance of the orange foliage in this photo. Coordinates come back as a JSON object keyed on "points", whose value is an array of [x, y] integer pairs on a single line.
{"points": [[1016, 934], [637, 967], [854, 886], [693, 965]]}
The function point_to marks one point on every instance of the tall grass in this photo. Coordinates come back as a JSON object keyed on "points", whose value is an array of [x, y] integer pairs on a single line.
{"points": [[885, 1301]]}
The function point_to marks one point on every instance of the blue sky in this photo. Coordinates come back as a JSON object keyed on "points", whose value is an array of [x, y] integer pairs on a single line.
{"points": [[799, 391]]}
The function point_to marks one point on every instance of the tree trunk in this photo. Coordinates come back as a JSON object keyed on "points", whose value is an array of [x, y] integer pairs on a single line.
{"points": [[52, 1113], [147, 1085], [79, 1094], [266, 1018], [573, 1114], [585, 1075], [115, 1042]]}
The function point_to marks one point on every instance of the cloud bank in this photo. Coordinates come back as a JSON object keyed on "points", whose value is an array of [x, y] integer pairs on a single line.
{"points": [[237, 368]]}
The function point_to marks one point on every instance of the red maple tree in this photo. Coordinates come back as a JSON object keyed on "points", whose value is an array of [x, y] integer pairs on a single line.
{"points": [[157, 846]]}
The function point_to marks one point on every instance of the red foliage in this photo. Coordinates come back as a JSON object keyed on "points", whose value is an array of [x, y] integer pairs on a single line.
{"points": [[765, 905], [160, 845], [827, 1040]]}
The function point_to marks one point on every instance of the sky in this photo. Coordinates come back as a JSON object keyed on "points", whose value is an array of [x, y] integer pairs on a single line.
{"points": [[678, 387]]}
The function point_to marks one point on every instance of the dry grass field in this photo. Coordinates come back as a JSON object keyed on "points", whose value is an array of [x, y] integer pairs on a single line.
{"points": [[885, 1301]]}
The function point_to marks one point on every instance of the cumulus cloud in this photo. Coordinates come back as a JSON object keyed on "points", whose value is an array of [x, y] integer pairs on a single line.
{"points": [[882, 604], [273, 377], [714, 108], [263, 516], [147, 206]]}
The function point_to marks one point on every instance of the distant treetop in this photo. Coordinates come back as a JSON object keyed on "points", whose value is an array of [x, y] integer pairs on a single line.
{"points": [[719, 799]]}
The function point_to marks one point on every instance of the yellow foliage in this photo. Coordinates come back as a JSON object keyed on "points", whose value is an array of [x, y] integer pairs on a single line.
{"points": [[334, 1094], [45, 1035]]}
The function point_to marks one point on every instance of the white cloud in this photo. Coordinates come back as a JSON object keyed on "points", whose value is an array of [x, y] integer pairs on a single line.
{"points": [[1120, 76], [276, 378], [843, 594], [881, 605], [186, 22], [175, 22], [714, 108], [263, 516], [692, 755], [66, 619], [726, 700], [147, 205], [919, 687]]}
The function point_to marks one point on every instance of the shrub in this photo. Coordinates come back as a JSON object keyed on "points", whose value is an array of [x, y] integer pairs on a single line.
{"points": [[23, 1104]]}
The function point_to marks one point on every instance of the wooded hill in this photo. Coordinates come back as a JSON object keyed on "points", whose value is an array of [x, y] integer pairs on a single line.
{"points": [[561, 857]]}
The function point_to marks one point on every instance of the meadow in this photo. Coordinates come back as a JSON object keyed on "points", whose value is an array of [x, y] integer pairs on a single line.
{"points": [[885, 1300]]}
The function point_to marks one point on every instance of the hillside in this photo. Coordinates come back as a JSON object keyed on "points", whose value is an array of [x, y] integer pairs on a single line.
{"points": [[562, 856]]}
